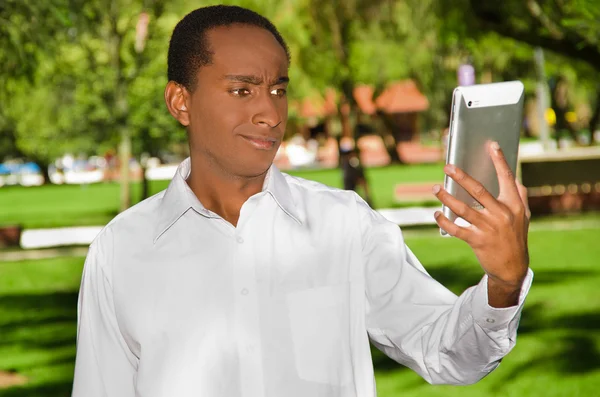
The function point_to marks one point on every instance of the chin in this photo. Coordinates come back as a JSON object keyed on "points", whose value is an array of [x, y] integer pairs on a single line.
{"points": [[255, 163], [255, 169]]}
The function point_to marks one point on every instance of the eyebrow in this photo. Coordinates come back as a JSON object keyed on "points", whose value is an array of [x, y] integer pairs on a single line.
{"points": [[254, 80]]}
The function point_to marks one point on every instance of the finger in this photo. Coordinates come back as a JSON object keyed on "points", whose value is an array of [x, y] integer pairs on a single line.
{"points": [[524, 198], [461, 209], [506, 177], [452, 228], [473, 187]]}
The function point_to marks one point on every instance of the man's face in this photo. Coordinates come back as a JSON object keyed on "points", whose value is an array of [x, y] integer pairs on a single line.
{"points": [[238, 110]]}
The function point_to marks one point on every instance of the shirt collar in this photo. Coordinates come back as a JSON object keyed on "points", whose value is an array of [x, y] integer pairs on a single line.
{"points": [[277, 186], [179, 198]]}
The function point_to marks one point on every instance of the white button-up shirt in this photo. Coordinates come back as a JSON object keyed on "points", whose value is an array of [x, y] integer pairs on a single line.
{"points": [[175, 301]]}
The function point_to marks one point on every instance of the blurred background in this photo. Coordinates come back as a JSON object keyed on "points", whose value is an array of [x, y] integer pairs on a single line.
{"points": [[84, 134]]}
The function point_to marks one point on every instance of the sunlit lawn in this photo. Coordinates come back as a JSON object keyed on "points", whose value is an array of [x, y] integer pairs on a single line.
{"points": [[557, 354], [70, 205]]}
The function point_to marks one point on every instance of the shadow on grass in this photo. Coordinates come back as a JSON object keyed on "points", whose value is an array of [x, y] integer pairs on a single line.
{"points": [[571, 342], [48, 321], [58, 389], [458, 278], [574, 341], [575, 334], [383, 363], [44, 327], [32, 319]]}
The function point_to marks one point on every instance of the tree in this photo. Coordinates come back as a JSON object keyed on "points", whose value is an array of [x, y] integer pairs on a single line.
{"points": [[133, 71], [77, 83], [567, 27], [83, 81], [25, 29], [115, 27]]}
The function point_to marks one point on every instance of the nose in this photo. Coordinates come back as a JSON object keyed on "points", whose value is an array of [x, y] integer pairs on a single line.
{"points": [[267, 112]]}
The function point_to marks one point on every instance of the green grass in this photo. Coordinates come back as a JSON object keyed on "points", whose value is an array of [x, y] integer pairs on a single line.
{"points": [[558, 349], [557, 354], [73, 205], [38, 315], [64, 205]]}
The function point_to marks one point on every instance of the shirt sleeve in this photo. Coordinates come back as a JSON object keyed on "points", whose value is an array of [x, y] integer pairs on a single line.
{"points": [[104, 366], [412, 318]]}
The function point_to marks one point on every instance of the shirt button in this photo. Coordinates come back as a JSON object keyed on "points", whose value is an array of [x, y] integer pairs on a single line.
{"points": [[244, 291], [240, 240], [490, 320]]}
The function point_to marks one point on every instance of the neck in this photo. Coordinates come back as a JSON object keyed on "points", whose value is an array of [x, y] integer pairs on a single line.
{"points": [[220, 191]]}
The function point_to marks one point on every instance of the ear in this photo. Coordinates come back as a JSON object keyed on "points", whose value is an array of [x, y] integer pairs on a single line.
{"points": [[176, 98]]}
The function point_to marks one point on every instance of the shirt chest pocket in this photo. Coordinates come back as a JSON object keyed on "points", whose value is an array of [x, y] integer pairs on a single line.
{"points": [[320, 327]]}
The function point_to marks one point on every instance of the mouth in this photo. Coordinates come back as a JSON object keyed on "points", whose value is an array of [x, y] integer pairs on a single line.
{"points": [[261, 143]]}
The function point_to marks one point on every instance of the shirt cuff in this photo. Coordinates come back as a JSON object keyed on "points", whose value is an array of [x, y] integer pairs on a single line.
{"points": [[493, 318]]}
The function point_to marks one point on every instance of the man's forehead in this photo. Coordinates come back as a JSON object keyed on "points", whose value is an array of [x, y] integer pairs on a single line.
{"points": [[237, 41], [255, 79]]}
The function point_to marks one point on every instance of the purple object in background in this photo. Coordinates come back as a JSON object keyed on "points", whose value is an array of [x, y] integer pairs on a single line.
{"points": [[466, 75]]}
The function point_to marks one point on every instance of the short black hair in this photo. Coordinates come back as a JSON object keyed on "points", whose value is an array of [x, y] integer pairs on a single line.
{"points": [[189, 49]]}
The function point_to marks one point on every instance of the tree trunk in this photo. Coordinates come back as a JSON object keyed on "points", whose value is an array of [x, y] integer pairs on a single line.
{"points": [[559, 103], [390, 127], [145, 184], [595, 118], [44, 168], [121, 105], [345, 120], [124, 157]]}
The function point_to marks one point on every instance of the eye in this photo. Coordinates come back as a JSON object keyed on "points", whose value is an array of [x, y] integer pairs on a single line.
{"points": [[241, 92], [279, 92]]}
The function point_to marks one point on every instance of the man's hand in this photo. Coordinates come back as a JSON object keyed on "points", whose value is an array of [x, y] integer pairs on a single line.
{"points": [[498, 233]]}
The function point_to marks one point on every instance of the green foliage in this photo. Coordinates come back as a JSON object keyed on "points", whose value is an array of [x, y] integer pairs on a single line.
{"points": [[78, 96], [568, 27], [25, 26], [73, 82]]}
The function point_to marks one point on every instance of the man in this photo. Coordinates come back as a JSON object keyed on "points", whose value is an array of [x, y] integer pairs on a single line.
{"points": [[352, 170], [239, 280]]}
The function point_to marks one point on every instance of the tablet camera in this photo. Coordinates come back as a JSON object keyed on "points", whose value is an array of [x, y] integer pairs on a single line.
{"points": [[469, 103]]}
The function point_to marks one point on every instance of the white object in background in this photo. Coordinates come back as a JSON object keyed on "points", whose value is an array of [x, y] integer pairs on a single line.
{"points": [[81, 177], [57, 178], [300, 156], [531, 148], [161, 173], [44, 238], [410, 216], [31, 179], [84, 235]]}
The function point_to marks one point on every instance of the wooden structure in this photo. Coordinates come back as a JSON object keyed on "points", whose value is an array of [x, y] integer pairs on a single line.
{"points": [[10, 235], [562, 181], [399, 107], [402, 102]]}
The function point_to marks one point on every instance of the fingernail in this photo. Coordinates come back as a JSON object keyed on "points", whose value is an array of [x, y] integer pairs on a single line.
{"points": [[450, 169], [495, 146], [436, 189], [437, 214]]}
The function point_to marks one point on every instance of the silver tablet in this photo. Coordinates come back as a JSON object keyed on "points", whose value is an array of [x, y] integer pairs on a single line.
{"points": [[480, 114]]}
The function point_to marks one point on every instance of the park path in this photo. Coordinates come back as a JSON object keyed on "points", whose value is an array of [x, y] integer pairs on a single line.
{"points": [[46, 253], [406, 218]]}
